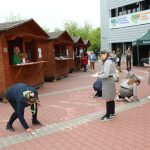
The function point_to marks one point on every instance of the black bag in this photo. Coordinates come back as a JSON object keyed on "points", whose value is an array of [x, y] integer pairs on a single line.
{"points": [[97, 85]]}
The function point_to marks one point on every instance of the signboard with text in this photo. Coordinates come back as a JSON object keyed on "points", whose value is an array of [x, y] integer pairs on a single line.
{"points": [[133, 19]]}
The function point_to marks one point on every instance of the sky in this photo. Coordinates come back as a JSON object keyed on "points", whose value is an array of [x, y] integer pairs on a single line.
{"points": [[53, 13]]}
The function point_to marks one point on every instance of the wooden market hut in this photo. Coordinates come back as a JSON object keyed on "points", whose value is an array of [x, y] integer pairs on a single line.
{"points": [[78, 52], [26, 35], [59, 54], [87, 44]]}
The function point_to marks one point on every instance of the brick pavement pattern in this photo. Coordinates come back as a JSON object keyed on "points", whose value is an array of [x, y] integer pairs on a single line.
{"points": [[71, 115]]}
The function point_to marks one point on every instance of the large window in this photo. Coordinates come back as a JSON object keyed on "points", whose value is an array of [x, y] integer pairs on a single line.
{"points": [[120, 11], [145, 5], [132, 8], [113, 13]]}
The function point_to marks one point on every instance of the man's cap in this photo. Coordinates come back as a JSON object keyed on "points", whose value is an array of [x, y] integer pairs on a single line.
{"points": [[30, 95], [104, 51]]}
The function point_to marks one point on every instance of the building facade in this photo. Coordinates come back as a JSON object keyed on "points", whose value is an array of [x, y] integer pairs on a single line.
{"points": [[123, 21]]}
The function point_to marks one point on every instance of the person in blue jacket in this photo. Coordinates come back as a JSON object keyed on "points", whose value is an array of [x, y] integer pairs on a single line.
{"points": [[21, 96]]}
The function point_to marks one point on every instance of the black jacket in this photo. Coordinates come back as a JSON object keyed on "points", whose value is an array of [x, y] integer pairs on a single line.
{"points": [[15, 97]]}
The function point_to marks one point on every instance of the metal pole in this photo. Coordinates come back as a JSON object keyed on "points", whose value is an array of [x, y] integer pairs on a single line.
{"points": [[138, 54]]}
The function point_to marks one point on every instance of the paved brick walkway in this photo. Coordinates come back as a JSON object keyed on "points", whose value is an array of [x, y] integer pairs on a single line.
{"points": [[70, 116]]}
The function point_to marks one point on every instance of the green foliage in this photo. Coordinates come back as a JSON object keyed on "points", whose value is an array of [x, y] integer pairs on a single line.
{"points": [[13, 17], [95, 39], [86, 32], [72, 28]]}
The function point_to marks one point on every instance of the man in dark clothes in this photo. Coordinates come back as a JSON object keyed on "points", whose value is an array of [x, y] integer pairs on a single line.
{"points": [[20, 96]]}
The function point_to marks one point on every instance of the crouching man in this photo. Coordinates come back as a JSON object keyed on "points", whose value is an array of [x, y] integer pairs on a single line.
{"points": [[20, 96]]}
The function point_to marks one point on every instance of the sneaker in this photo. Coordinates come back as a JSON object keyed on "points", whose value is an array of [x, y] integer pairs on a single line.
{"points": [[113, 115], [105, 118], [10, 128], [148, 97], [127, 99], [36, 122]]}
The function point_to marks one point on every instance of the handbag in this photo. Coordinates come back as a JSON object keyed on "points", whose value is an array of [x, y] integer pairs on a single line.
{"points": [[97, 85]]}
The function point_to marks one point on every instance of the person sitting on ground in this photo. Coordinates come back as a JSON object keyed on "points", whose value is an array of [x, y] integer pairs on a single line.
{"points": [[128, 89], [21, 96], [16, 57]]}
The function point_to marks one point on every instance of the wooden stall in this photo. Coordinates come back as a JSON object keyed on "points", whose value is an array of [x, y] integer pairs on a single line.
{"points": [[25, 37], [58, 53], [78, 52]]}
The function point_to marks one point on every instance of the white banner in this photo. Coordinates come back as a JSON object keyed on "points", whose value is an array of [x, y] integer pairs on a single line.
{"points": [[133, 19]]}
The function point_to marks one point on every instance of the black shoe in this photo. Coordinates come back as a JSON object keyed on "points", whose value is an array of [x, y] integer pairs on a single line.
{"points": [[36, 122], [10, 128], [105, 117]]}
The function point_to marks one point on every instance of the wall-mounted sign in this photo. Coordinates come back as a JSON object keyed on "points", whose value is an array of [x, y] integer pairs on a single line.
{"points": [[133, 19], [5, 49], [40, 52]]}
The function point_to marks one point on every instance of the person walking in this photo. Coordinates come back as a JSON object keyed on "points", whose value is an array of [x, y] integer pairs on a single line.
{"points": [[21, 96], [92, 58], [108, 84], [118, 53], [128, 57], [85, 61]]}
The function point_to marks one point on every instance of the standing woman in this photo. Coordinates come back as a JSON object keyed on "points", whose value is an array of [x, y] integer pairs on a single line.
{"points": [[148, 65], [108, 84]]}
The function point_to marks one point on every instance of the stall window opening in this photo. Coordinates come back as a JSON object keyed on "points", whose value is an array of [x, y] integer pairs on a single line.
{"points": [[60, 51], [21, 52]]}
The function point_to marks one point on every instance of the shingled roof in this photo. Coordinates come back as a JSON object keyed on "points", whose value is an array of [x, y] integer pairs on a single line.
{"points": [[55, 35], [10, 25], [76, 39], [87, 42], [58, 34]]}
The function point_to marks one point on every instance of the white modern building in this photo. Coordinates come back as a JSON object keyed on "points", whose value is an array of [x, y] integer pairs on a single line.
{"points": [[123, 21]]}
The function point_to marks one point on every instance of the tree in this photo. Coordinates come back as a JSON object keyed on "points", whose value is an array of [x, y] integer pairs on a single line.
{"points": [[13, 17], [95, 39], [86, 32], [72, 28]]}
